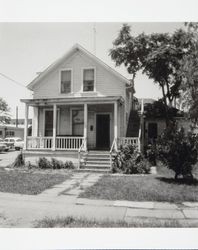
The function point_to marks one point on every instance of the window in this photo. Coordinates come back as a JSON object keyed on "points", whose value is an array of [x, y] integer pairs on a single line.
{"points": [[88, 80], [66, 81], [9, 133], [77, 122], [1, 132], [49, 123]]}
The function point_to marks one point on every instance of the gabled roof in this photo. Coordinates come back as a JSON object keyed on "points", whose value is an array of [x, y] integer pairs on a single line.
{"points": [[75, 48]]}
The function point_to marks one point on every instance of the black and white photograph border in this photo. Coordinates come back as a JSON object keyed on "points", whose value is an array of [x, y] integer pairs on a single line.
{"points": [[92, 14]]}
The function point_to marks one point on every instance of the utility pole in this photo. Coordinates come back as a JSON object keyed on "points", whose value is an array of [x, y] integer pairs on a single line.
{"points": [[94, 38], [16, 116]]}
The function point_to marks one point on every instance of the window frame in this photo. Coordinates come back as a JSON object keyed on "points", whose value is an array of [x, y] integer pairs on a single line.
{"points": [[82, 79], [61, 70]]}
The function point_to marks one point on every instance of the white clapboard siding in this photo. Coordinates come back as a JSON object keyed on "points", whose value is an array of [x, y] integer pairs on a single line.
{"points": [[107, 84]]}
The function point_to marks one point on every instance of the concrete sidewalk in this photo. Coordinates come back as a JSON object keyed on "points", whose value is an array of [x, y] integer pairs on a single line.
{"points": [[7, 158], [22, 210]]}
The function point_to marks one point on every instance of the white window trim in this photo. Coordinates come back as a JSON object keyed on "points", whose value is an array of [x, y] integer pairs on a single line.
{"points": [[72, 89], [57, 122], [82, 70], [71, 120]]}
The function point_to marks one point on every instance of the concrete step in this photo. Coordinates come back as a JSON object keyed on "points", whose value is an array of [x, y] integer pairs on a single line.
{"points": [[98, 154], [88, 165], [96, 158], [105, 171], [98, 162]]}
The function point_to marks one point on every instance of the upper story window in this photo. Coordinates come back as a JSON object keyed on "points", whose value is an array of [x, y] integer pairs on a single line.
{"points": [[66, 78], [88, 79]]}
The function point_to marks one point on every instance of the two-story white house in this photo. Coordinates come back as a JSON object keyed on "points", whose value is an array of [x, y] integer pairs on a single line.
{"points": [[79, 103]]}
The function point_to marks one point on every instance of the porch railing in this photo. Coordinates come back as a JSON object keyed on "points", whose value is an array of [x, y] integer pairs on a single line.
{"points": [[69, 143], [128, 140], [39, 142], [61, 143], [82, 148]]}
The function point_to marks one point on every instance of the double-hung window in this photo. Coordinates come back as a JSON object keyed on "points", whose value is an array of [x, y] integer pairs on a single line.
{"points": [[88, 79], [66, 78]]}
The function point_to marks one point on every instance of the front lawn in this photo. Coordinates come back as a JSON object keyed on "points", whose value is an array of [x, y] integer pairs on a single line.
{"points": [[160, 187], [16, 181], [71, 222]]}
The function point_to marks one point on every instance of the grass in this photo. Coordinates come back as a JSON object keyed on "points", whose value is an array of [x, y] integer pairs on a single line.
{"points": [[16, 181], [160, 187], [71, 222]]}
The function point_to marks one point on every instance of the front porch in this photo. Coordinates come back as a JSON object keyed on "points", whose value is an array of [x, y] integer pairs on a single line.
{"points": [[76, 124]]}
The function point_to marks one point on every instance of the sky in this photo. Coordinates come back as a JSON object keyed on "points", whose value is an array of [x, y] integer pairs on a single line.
{"points": [[27, 48]]}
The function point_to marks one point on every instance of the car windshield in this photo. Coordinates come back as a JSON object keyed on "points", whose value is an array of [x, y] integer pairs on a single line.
{"points": [[18, 140], [12, 140]]}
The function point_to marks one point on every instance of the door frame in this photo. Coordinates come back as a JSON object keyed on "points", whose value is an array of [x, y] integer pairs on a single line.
{"points": [[57, 119], [110, 125]]}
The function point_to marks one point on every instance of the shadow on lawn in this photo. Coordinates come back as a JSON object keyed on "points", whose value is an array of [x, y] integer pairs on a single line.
{"points": [[181, 181]]}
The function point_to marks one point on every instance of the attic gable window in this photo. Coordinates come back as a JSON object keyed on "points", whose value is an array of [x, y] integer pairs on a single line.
{"points": [[66, 78], [88, 79]]}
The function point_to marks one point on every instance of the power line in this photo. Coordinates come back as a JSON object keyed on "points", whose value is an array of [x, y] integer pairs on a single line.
{"points": [[9, 78]]}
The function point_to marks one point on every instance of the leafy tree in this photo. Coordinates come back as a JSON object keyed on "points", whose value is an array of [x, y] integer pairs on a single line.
{"points": [[189, 74], [157, 55], [178, 150], [4, 111]]}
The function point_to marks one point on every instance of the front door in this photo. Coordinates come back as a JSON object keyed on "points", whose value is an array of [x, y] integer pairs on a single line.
{"points": [[102, 131]]}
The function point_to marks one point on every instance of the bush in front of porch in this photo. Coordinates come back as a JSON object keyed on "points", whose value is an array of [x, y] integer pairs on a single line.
{"points": [[129, 161], [42, 163]]}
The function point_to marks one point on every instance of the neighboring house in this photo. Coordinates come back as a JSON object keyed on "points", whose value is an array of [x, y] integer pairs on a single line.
{"points": [[9, 130], [153, 121], [20, 121], [79, 103]]}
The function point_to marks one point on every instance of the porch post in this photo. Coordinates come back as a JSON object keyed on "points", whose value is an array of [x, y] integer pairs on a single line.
{"points": [[54, 127], [35, 122], [85, 125], [26, 126], [116, 122]]}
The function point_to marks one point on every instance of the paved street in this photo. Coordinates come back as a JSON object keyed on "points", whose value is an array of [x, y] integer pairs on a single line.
{"points": [[7, 158], [62, 200]]}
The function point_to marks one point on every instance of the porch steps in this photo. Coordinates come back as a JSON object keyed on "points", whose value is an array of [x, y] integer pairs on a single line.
{"points": [[133, 124], [97, 161]]}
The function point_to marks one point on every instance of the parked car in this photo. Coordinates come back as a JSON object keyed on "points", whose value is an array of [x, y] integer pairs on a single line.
{"points": [[10, 141], [3, 145], [19, 144]]}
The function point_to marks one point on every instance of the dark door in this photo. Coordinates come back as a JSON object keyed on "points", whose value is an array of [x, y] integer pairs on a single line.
{"points": [[152, 131], [102, 131]]}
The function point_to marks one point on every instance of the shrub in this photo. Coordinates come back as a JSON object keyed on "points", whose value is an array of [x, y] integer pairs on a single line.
{"points": [[19, 161], [178, 151], [44, 163], [129, 161], [69, 165], [56, 164]]}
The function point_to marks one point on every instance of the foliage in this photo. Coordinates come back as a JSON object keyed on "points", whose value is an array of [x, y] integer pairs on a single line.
{"points": [[4, 111], [157, 55], [44, 163], [189, 74], [157, 109], [19, 161], [178, 151], [129, 161]]}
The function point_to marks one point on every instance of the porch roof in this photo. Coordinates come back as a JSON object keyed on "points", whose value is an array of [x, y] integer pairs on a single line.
{"points": [[73, 100]]}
